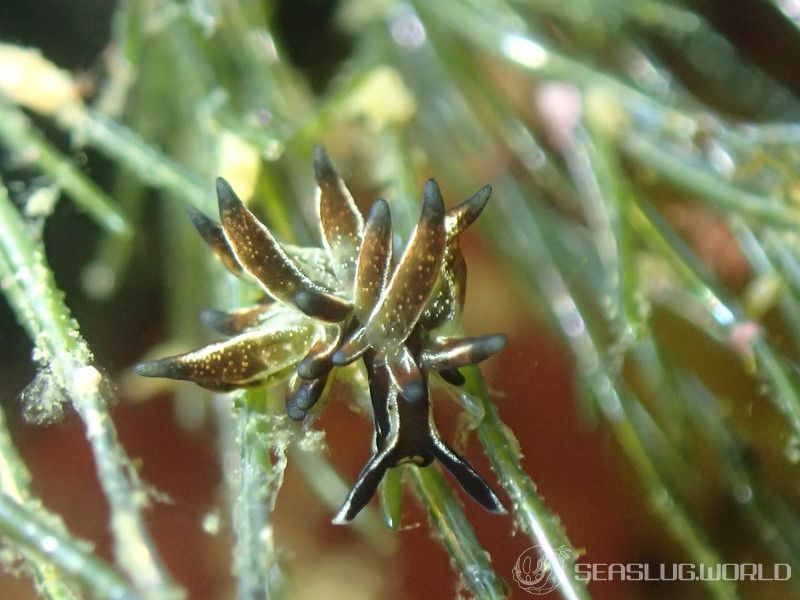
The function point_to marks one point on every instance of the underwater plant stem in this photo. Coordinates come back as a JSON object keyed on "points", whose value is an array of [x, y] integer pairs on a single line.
{"points": [[456, 533], [536, 520], [721, 194], [258, 564], [151, 166], [671, 509], [25, 529], [30, 289], [771, 514], [15, 479], [21, 137], [14, 484], [765, 362], [506, 36], [331, 488], [252, 481], [545, 273]]}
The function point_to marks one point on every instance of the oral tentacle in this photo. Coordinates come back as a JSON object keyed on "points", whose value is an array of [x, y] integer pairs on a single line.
{"points": [[365, 486], [467, 477]]}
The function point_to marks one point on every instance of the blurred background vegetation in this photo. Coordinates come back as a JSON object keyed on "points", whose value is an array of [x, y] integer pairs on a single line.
{"points": [[640, 250]]}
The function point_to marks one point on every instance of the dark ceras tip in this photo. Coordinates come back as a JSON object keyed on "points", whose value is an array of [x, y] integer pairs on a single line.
{"points": [[432, 201], [479, 199], [350, 351], [234, 321], [462, 216], [406, 376], [413, 391], [454, 353], [347, 354], [300, 400], [218, 320], [488, 345], [201, 222], [379, 214], [322, 305], [317, 362], [452, 376], [323, 168], [354, 347], [294, 413], [312, 367], [341, 358], [163, 367], [226, 197], [214, 237]]}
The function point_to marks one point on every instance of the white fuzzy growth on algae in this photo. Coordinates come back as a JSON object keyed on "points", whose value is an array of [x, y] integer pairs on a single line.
{"points": [[312, 440], [43, 399]]}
